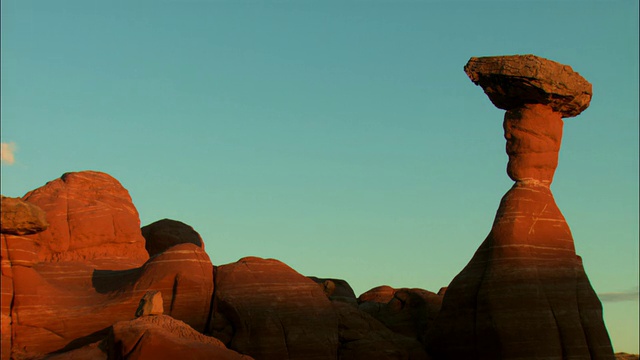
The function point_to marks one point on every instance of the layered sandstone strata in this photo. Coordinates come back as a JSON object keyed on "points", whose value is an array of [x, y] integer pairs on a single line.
{"points": [[524, 294]]}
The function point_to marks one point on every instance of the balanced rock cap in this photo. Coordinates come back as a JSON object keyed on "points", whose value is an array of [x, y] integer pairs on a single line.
{"points": [[515, 80]]}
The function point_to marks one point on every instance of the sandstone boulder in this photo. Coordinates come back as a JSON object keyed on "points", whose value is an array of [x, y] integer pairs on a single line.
{"points": [[267, 310], [166, 233], [91, 219], [163, 337], [21, 218]]}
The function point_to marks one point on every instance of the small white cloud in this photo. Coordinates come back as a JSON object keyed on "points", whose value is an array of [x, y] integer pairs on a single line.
{"points": [[7, 152]]}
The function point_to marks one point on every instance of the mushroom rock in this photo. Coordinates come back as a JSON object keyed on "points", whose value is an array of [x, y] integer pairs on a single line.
{"points": [[405, 311], [524, 294], [18, 218], [267, 310], [92, 219], [166, 233]]}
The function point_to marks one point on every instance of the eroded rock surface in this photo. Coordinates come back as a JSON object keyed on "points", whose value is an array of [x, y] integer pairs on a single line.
{"points": [[267, 310], [21, 218], [18, 218], [163, 337], [92, 219]]}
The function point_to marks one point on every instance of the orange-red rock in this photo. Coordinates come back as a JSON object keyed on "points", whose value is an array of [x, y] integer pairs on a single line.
{"points": [[524, 294], [163, 337], [64, 305], [166, 233], [265, 309], [18, 218], [21, 218], [92, 219], [88, 270]]}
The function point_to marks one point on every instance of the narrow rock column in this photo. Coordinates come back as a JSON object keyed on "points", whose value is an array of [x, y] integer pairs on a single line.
{"points": [[524, 294]]}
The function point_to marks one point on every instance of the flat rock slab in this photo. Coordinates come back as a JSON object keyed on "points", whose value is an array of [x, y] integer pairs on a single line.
{"points": [[515, 80]]}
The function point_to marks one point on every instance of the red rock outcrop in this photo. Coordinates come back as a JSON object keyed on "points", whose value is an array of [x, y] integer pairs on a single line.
{"points": [[92, 219], [524, 294], [81, 301], [405, 311], [267, 310], [163, 337], [166, 233], [18, 218], [88, 270], [21, 218]]}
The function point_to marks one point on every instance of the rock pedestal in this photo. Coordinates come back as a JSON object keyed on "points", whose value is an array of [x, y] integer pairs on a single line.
{"points": [[524, 294]]}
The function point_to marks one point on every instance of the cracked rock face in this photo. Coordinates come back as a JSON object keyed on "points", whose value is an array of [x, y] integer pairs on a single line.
{"points": [[524, 294], [512, 81]]}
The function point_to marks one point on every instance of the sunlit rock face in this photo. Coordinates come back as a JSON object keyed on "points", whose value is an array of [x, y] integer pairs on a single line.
{"points": [[64, 287], [524, 294], [19, 218], [92, 219]]}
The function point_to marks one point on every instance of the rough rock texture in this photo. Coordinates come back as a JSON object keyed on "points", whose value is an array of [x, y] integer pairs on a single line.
{"points": [[18, 218], [267, 310], [21, 218], [92, 219], [166, 233], [405, 311], [64, 287], [512, 81], [150, 304], [625, 356], [524, 294], [162, 337], [83, 301]]}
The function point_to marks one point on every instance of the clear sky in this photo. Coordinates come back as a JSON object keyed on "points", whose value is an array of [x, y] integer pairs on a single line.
{"points": [[340, 137]]}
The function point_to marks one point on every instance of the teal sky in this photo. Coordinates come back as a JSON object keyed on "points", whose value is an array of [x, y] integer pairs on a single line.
{"points": [[340, 137]]}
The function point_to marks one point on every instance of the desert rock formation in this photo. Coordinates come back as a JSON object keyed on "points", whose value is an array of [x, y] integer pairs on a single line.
{"points": [[524, 294]]}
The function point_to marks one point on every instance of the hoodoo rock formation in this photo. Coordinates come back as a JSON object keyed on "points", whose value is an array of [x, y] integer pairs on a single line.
{"points": [[524, 294]]}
